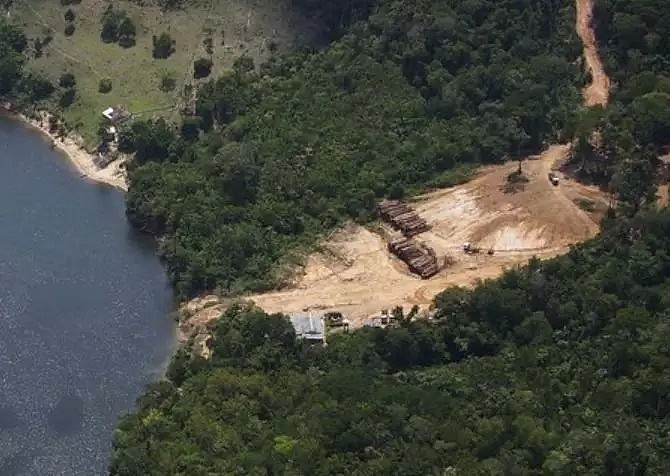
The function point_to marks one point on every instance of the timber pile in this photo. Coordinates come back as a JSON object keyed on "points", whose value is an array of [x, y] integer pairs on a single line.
{"points": [[420, 258], [402, 217]]}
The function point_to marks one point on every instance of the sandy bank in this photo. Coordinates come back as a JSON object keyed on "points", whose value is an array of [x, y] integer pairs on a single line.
{"points": [[114, 174]]}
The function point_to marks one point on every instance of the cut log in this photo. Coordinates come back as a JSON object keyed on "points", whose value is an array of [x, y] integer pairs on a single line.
{"points": [[401, 216], [420, 259]]}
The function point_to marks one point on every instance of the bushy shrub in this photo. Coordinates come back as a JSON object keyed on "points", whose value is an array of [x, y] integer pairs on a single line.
{"points": [[105, 85], [202, 68], [67, 80], [168, 83], [118, 27], [67, 97], [163, 46]]}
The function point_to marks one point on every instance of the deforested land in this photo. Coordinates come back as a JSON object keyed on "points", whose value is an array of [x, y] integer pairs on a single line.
{"points": [[478, 185]]}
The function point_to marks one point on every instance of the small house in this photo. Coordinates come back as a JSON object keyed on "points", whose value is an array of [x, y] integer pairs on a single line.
{"points": [[109, 134], [116, 115], [309, 328]]}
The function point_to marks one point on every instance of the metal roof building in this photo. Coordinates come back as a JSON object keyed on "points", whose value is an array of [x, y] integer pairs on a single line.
{"points": [[116, 115], [309, 328]]}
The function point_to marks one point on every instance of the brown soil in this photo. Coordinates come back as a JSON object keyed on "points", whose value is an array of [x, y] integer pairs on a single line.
{"points": [[597, 92], [358, 277]]}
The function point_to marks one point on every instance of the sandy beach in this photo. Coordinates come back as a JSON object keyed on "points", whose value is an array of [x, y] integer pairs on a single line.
{"points": [[114, 174]]}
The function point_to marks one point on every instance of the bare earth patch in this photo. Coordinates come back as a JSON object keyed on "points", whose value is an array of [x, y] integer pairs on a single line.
{"points": [[358, 277]]}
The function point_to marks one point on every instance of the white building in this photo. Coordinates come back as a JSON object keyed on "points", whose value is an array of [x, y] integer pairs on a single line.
{"points": [[309, 328]]}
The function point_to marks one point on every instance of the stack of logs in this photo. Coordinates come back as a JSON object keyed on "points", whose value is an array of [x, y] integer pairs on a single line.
{"points": [[402, 217], [420, 259]]}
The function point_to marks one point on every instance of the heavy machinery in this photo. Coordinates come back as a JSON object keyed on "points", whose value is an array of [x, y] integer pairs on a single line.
{"points": [[334, 319], [470, 249]]}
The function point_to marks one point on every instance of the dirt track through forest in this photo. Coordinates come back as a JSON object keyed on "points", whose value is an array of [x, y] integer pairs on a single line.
{"points": [[597, 92], [359, 277]]}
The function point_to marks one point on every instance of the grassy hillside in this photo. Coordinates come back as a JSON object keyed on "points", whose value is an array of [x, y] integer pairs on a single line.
{"points": [[256, 28]]}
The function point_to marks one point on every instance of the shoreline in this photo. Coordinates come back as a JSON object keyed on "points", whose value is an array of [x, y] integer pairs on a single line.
{"points": [[80, 158]]}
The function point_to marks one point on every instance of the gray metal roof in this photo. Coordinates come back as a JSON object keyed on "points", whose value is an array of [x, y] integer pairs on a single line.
{"points": [[308, 327]]}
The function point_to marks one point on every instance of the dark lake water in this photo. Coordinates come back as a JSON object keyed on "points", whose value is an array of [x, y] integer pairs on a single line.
{"points": [[84, 312]]}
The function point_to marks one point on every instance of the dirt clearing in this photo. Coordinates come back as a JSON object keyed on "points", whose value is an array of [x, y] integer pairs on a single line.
{"points": [[516, 220], [359, 277]]}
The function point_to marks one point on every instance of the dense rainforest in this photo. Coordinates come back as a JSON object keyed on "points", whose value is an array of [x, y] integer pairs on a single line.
{"points": [[560, 367], [412, 97], [630, 33]]}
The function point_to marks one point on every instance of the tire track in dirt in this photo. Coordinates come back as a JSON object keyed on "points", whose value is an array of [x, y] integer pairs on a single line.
{"points": [[589, 226]]}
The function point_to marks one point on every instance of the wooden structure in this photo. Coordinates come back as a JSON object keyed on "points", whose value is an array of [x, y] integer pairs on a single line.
{"points": [[382, 320], [402, 217], [420, 258]]}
